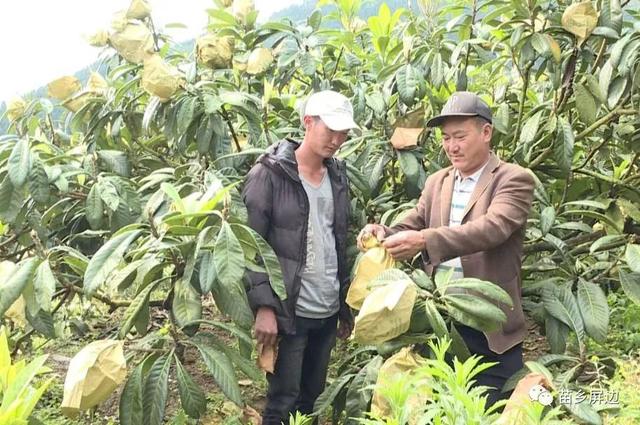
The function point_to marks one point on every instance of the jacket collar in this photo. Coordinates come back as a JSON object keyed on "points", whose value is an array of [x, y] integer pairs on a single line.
{"points": [[447, 188], [282, 154]]}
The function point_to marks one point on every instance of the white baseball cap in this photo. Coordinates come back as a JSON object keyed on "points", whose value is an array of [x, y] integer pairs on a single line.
{"points": [[334, 110]]}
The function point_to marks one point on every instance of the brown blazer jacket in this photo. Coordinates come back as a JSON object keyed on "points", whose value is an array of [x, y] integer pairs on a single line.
{"points": [[489, 240]]}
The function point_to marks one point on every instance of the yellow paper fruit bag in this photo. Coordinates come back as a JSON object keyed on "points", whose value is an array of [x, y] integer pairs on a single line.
{"points": [[93, 374], [240, 9], [99, 39], [259, 60], [96, 87], [385, 313], [16, 108], [214, 51], [373, 262], [159, 78], [403, 363], [138, 9], [134, 42], [64, 87]]}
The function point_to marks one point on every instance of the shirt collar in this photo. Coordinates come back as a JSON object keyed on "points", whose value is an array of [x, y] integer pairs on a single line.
{"points": [[473, 177]]}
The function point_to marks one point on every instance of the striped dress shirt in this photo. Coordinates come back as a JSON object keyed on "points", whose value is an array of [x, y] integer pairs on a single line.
{"points": [[462, 191]]}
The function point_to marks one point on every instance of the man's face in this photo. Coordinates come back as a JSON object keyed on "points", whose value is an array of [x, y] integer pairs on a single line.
{"points": [[323, 141], [466, 140]]}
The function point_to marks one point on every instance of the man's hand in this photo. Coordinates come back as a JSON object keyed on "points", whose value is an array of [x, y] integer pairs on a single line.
{"points": [[404, 245], [266, 327], [344, 329], [370, 229]]}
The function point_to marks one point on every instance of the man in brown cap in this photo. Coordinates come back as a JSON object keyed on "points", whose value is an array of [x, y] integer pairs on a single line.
{"points": [[471, 218]]}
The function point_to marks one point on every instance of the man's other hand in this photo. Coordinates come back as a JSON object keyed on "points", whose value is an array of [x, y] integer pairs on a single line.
{"points": [[266, 327], [404, 245], [344, 329]]}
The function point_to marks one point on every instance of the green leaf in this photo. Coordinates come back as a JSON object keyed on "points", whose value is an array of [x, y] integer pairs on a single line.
{"points": [[604, 241], [530, 129], [594, 309], [44, 285], [611, 15], [187, 305], [632, 255], [563, 148], [407, 80], [186, 114], [616, 91], [474, 312], [222, 371], [229, 258], [232, 301], [560, 302], [606, 74], [330, 393], [207, 273], [502, 119], [541, 44], [436, 321], [117, 162], [94, 208], [557, 333], [11, 200], [483, 287], [631, 285], [142, 320], [135, 309], [39, 182], [594, 88], [584, 411], [244, 364], [539, 368], [410, 166], [376, 102], [269, 259], [360, 390], [358, 180], [19, 164], [42, 322], [11, 289], [106, 260], [130, 410], [192, 397], [423, 280], [154, 397], [149, 114], [586, 104], [547, 218], [308, 63], [204, 135], [108, 194], [458, 347]]}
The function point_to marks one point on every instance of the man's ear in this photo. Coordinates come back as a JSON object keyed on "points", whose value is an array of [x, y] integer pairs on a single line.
{"points": [[307, 121], [487, 132]]}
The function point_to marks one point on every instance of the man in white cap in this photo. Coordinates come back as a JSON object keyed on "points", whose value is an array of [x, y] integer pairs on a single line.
{"points": [[470, 219], [297, 198]]}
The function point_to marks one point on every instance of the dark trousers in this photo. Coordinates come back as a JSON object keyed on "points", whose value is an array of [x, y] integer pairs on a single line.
{"points": [[301, 369], [496, 376]]}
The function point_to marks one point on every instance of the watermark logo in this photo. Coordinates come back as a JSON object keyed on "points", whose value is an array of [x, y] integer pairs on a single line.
{"points": [[541, 395]]}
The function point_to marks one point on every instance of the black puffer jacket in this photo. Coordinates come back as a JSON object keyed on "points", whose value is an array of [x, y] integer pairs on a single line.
{"points": [[279, 209]]}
